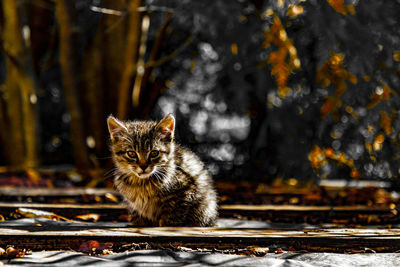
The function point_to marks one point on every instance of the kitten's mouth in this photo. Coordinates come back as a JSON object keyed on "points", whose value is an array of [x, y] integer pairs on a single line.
{"points": [[144, 175]]}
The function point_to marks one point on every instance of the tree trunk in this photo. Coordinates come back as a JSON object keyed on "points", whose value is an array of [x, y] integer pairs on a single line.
{"points": [[93, 89], [131, 57], [149, 97], [70, 72], [21, 90], [113, 42]]}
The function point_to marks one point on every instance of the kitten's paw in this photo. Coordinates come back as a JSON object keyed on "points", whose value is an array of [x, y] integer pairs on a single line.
{"points": [[139, 221], [161, 223]]}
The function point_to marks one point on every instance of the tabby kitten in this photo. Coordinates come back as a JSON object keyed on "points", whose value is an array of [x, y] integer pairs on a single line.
{"points": [[162, 183]]}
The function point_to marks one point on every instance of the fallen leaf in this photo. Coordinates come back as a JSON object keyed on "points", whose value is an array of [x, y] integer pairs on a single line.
{"points": [[33, 213], [368, 250], [260, 251], [111, 197], [94, 247], [279, 251], [89, 217], [12, 253]]}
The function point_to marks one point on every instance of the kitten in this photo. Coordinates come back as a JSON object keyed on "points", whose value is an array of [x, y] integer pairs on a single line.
{"points": [[162, 183]]}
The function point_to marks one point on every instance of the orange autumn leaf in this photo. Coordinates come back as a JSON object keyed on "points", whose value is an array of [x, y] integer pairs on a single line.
{"points": [[340, 7], [396, 55], [333, 72], [283, 91], [378, 142], [368, 146], [355, 174], [284, 60], [380, 94], [316, 157], [293, 10], [327, 107], [386, 123], [319, 156], [342, 157], [330, 105], [351, 111], [350, 163], [350, 9], [329, 152], [234, 49]]}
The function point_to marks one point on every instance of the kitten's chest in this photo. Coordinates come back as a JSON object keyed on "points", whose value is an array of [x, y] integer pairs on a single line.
{"points": [[143, 199]]}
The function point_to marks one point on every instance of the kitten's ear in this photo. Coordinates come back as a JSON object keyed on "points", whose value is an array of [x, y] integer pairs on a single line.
{"points": [[116, 128], [166, 127]]}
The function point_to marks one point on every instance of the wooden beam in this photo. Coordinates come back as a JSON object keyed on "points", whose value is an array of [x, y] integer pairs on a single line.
{"points": [[59, 192], [39, 237], [224, 208], [275, 213]]}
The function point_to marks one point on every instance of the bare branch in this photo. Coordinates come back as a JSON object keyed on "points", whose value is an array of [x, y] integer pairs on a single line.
{"points": [[140, 64], [155, 63], [114, 12], [107, 11]]}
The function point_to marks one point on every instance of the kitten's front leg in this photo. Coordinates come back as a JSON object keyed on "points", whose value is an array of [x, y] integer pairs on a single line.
{"points": [[170, 219], [137, 220]]}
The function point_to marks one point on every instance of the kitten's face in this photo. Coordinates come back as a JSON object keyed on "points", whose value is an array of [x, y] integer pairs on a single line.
{"points": [[141, 149]]}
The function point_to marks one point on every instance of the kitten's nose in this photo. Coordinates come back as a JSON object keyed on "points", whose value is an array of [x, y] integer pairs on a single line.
{"points": [[143, 167]]}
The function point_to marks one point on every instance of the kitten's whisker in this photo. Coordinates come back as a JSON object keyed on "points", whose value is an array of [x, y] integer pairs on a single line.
{"points": [[110, 173], [157, 176]]}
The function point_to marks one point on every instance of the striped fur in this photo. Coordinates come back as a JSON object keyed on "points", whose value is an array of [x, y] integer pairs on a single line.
{"points": [[162, 183]]}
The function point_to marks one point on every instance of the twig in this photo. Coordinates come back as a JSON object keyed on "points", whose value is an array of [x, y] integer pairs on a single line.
{"points": [[140, 64], [114, 12], [107, 11], [155, 63]]}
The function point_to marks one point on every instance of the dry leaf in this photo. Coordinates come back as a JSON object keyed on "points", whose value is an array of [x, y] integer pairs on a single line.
{"points": [[111, 197], [33, 213], [260, 251], [89, 217], [93, 247], [12, 253]]}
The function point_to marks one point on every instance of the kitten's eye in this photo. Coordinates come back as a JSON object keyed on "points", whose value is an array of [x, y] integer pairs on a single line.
{"points": [[131, 154], [154, 153]]}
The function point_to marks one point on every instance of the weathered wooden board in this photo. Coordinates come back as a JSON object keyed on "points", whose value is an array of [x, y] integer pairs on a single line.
{"points": [[33, 192], [39, 236], [282, 213]]}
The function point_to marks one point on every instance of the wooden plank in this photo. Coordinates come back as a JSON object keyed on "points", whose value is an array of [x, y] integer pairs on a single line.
{"points": [[80, 230], [256, 208], [302, 208], [342, 183], [251, 208], [72, 237], [314, 214], [281, 213], [57, 192]]}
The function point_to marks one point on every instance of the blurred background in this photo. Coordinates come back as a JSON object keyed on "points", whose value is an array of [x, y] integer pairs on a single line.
{"points": [[297, 90]]}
